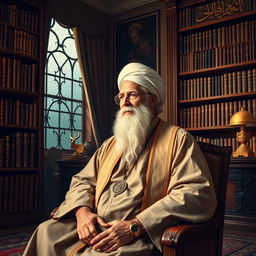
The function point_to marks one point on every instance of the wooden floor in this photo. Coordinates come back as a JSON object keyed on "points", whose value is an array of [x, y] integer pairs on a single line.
{"points": [[239, 232]]}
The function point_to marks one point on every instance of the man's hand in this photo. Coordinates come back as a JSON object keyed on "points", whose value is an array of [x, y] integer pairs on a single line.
{"points": [[117, 235], [86, 224]]}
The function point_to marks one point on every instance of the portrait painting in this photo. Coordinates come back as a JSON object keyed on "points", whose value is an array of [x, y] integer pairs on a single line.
{"points": [[136, 40]]}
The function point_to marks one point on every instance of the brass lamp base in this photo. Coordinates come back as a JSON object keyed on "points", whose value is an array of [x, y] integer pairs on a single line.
{"points": [[243, 118], [243, 137], [243, 150]]}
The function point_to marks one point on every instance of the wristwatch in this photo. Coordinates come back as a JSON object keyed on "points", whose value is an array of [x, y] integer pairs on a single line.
{"points": [[135, 228]]}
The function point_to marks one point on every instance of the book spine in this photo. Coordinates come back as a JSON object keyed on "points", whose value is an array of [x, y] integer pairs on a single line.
{"points": [[26, 150], [19, 149], [33, 150], [2, 152], [8, 150]]}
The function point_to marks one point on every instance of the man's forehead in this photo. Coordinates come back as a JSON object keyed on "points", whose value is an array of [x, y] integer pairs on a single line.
{"points": [[130, 86]]}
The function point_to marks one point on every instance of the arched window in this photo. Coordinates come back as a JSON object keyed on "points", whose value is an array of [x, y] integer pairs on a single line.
{"points": [[64, 96]]}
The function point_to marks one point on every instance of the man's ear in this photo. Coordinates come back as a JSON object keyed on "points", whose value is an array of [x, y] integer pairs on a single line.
{"points": [[154, 100], [153, 103]]}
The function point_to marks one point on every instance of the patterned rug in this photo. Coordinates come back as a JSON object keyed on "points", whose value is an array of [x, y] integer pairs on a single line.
{"points": [[239, 245], [13, 244]]}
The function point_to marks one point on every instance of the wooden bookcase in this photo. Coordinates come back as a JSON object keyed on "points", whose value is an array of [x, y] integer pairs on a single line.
{"points": [[21, 111], [216, 65], [211, 66]]}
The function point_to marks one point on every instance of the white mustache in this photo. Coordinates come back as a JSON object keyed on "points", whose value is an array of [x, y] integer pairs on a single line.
{"points": [[124, 109]]}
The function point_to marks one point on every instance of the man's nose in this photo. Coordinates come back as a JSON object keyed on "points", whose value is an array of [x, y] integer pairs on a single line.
{"points": [[126, 101]]}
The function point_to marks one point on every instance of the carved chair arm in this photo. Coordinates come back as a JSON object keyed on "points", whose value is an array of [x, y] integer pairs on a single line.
{"points": [[181, 234]]}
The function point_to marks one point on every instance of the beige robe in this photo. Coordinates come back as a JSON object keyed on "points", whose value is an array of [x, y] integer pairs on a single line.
{"points": [[190, 198]]}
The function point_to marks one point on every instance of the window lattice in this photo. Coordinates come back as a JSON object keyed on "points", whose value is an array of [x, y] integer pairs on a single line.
{"points": [[63, 96]]}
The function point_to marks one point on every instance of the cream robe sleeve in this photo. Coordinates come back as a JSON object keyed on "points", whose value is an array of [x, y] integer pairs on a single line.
{"points": [[82, 187], [191, 196]]}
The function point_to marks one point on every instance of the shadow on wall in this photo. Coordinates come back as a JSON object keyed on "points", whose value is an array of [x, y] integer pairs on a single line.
{"points": [[51, 179]]}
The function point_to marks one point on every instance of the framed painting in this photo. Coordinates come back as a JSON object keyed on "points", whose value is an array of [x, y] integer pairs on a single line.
{"points": [[137, 40]]}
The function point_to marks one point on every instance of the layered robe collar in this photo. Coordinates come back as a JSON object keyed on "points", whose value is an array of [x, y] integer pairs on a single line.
{"points": [[158, 168]]}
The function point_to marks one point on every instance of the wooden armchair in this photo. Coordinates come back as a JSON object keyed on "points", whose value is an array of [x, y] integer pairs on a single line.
{"points": [[203, 239]]}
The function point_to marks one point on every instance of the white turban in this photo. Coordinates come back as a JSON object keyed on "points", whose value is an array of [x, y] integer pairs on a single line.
{"points": [[145, 77]]}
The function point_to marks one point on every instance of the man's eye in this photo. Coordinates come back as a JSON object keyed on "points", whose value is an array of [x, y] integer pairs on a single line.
{"points": [[134, 95], [121, 96]]}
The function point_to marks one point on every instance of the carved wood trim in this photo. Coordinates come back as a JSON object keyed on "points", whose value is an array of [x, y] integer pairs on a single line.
{"points": [[171, 65]]}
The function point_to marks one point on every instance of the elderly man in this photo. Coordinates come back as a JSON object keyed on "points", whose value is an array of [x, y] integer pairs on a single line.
{"points": [[148, 176]]}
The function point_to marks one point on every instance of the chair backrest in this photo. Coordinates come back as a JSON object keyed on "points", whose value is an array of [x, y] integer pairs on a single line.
{"points": [[205, 238], [218, 159]]}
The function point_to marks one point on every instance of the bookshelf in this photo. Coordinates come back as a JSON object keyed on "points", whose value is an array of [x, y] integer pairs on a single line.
{"points": [[21, 111], [211, 73], [211, 66]]}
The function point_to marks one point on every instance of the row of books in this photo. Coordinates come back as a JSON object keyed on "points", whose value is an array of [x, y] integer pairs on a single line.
{"points": [[18, 41], [18, 150], [18, 16], [18, 75], [18, 113], [231, 142], [224, 84], [216, 114], [218, 37], [217, 9], [19, 193], [220, 56]]}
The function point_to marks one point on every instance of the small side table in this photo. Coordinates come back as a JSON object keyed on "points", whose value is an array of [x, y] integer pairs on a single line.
{"points": [[67, 168], [241, 194]]}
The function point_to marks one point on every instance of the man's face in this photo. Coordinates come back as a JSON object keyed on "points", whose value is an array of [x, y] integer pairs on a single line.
{"points": [[130, 95], [132, 120], [135, 37]]}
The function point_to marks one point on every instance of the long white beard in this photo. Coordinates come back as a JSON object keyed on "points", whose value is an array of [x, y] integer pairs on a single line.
{"points": [[131, 131]]}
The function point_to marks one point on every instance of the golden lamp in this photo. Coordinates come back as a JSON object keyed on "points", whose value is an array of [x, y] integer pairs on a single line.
{"points": [[243, 118]]}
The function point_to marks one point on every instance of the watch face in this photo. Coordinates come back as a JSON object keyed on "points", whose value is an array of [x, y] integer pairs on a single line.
{"points": [[135, 227]]}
